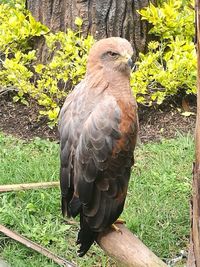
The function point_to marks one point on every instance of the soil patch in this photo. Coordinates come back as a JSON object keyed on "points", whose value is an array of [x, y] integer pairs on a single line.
{"points": [[155, 123], [22, 121]]}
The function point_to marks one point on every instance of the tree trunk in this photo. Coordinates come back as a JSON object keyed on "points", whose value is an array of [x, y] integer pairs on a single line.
{"points": [[194, 251], [101, 18]]}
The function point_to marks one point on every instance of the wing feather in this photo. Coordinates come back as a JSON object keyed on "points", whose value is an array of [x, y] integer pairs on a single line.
{"points": [[70, 122], [102, 165]]}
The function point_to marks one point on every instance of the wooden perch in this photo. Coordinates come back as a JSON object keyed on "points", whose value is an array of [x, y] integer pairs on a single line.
{"points": [[127, 249], [18, 187], [30, 244]]}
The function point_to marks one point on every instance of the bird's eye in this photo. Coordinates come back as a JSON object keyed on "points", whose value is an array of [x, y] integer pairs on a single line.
{"points": [[113, 54]]}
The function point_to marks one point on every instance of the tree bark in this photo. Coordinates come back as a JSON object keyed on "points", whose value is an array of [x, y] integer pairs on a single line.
{"points": [[194, 251], [101, 18]]}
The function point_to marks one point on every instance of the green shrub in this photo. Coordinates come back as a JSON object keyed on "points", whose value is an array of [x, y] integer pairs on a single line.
{"points": [[170, 63], [19, 68], [168, 66], [17, 28], [67, 68]]}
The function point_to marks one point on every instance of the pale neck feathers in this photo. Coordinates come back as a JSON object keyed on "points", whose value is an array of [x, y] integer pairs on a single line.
{"points": [[110, 81]]}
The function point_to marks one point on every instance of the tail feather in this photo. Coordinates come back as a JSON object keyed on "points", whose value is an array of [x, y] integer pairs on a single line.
{"points": [[86, 236]]}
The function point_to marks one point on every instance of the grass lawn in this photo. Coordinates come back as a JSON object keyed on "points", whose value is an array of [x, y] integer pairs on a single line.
{"points": [[157, 207]]}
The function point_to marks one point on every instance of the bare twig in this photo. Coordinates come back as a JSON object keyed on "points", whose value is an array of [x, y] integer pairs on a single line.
{"points": [[18, 187], [30, 244], [4, 90]]}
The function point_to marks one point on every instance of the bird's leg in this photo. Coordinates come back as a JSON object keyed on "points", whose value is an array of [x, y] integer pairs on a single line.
{"points": [[114, 227]]}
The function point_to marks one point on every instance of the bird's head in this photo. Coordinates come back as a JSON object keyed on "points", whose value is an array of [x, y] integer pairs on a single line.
{"points": [[112, 54]]}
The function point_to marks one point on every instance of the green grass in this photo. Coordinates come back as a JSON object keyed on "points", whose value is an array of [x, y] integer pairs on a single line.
{"points": [[157, 207]]}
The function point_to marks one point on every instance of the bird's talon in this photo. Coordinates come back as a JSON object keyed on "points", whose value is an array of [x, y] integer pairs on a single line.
{"points": [[117, 229]]}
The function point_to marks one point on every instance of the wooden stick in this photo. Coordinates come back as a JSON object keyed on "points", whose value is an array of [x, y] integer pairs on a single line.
{"points": [[30, 244], [194, 250], [127, 249], [18, 187]]}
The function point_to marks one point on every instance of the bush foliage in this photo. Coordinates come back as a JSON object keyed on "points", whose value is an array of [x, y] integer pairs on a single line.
{"points": [[167, 67], [170, 63], [20, 70]]}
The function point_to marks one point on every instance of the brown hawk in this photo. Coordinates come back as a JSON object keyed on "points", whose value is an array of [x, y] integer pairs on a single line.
{"points": [[98, 128]]}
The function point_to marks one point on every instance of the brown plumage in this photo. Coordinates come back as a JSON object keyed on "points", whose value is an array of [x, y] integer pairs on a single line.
{"points": [[98, 129]]}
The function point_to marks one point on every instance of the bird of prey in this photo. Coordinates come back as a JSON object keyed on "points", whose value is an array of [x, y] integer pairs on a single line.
{"points": [[98, 127]]}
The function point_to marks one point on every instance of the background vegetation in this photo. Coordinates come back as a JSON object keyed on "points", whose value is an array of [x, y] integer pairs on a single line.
{"points": [[168, 68]]}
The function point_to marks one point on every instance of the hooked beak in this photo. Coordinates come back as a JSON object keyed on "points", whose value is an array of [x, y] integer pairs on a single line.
{"points": [[130, 62], [127, 59]]}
